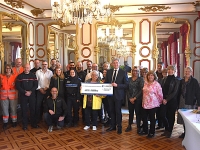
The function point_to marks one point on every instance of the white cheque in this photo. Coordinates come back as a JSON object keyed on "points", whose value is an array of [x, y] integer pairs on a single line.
{"points": [[99, 89]]}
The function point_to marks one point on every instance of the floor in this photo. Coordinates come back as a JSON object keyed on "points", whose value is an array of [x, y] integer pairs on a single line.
{"points": [[75, 138]]}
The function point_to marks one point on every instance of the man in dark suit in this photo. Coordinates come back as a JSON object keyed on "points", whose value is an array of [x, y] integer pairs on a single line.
{"points": [[118, 78]]}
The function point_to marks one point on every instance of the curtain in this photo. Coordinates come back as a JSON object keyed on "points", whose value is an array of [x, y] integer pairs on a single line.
{"points": [[184, 32], [14, 46]]}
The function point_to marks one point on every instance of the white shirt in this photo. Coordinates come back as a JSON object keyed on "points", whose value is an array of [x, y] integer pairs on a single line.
{"points": [[44, 78], [88, 76]]}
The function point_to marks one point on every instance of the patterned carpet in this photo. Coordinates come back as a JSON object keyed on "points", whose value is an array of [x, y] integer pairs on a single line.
{"points": [[75, 138]]}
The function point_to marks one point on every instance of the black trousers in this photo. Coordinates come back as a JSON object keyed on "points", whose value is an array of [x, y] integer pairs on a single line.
{"points": [[25, 100], [53, 119], [158, 117], [115, 111], [138, 112], [131, 109], [39, 105], [168, 115], [149, 113], [106, 107], [72, 106], [90, 112]]}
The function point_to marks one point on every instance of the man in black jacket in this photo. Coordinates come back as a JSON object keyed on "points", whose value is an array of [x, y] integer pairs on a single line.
{"points": [[55, 110], [26, 84]]}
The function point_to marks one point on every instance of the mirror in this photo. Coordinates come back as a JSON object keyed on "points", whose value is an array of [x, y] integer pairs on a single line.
{"points": [[115, 39], [171, 42], [61, 42], [14, 39]]}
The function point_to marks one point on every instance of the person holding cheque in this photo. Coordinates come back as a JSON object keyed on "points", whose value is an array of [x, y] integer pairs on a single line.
{"points": [[152, 98], [92, 103]]}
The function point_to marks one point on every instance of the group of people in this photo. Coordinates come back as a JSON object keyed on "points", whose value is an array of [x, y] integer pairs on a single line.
{"points": [[56, 95]]}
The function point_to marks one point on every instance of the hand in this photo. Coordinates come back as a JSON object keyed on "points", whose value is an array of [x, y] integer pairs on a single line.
{"points": [[61, 118], [42, 91], [132, 100], [45, 88], [164, 101], [114, 84], [77, 101], [199, 108], [28, 93], [51, 112]]}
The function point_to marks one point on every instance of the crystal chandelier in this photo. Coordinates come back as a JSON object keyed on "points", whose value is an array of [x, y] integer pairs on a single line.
{"points": [[113, 37], [80, 11]]}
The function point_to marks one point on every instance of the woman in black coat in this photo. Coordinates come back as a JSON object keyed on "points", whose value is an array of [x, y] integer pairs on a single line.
{"points": [[190, 95]]}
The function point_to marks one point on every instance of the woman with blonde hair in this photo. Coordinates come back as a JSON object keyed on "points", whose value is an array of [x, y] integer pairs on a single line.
{"points": [[58, 81], [8, 96]]}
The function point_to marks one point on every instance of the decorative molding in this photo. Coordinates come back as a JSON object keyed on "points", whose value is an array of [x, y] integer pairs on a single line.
{"points": [[154, 8], [10, 25], [37, 34], [84, 29], [71, 52], [37, 11], [113, 52], [84, 49], [195, 53], [15, 3], [31, 52], [195, 30], [143, 31], [142, 53], [193, 65], [37, 53], [148, 61], [31, 43]]}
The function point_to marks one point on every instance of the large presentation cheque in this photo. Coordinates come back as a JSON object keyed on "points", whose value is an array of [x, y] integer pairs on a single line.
{"points": [[99, 89]]}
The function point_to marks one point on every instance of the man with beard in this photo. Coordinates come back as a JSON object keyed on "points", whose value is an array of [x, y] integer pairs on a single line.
{"points": [[37, 66], [89, 67], [71, 66], [53, 65]]}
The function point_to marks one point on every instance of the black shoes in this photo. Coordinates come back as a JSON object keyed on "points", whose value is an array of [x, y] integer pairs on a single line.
{"points": [[110, 129], [14, 124], [24, 128], [142, 132], [182, 135], [150, 135], [5, 126], [129, 128], [119, 131], [34, 126], [167, 134]]}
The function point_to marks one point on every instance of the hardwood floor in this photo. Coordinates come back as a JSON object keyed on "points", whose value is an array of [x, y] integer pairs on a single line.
{"points": [[75, 138]]}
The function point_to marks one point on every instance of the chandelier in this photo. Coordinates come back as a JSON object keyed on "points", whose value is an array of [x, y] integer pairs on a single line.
{"points": [[113, 37], [80, 11]]}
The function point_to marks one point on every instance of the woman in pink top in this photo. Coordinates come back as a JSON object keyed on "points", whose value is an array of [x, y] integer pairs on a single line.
{"points": [[152, 98]]}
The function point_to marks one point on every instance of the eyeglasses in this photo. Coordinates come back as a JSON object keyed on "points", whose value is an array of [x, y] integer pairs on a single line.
{"points": [[135, 70], [44, 64], [8, 68]]}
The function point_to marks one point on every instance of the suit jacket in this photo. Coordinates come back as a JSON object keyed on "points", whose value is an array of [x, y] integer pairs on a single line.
{"points": [[121, 81]]}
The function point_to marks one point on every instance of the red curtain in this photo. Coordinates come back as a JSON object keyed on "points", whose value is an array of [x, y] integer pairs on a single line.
{"points": [[184, 32], [164, 53], [15, 44]]}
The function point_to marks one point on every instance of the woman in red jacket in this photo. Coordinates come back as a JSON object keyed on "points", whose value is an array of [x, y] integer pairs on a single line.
{"points": [[8, 97]]}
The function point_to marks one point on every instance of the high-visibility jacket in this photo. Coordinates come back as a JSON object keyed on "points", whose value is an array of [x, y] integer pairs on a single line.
{"points": [[7, 89], [17, 72]]}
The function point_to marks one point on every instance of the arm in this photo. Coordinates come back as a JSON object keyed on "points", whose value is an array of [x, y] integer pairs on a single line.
{"points": [[141, 85], [197, 93], [18, 85], [38, 78], [174, 92], [124, 83], [159, 93], [78, 90], [35, 83]]}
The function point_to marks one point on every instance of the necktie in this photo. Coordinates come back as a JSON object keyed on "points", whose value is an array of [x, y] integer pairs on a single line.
{"points": [[114, 76]]}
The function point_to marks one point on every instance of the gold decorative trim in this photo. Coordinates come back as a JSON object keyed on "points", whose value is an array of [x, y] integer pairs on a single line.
{"points": [[142, 48], [82, 52], [154, 8], [37, 11], [10, 25], [155, 51], [15, 3], [31, 52], [42, 43]]}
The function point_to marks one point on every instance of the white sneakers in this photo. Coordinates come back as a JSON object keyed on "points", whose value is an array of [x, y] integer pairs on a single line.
{"points": [[94, 128], [50, 129], [86, 127]]}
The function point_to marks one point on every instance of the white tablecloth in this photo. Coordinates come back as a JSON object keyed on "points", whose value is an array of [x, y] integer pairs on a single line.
{"points": [[192, 130]]}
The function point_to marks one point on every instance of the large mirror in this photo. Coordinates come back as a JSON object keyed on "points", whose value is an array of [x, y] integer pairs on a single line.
{"points": [[14, 39], [61, 42], [171, 42], [115, 39]]}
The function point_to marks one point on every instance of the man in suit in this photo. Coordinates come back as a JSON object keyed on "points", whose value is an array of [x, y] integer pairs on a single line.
{"points": [[118, 78]]}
